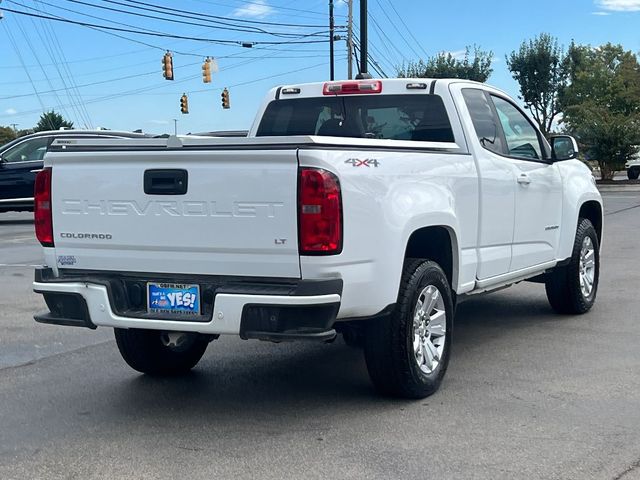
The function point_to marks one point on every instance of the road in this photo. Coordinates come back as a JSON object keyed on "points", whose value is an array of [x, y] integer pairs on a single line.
{"points": [[528, 394]]}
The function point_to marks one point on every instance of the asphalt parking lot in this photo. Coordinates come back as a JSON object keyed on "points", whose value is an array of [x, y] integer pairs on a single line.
{"points": [[529, 394]]}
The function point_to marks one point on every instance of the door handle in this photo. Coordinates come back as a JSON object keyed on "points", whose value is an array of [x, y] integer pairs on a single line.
{"points": [[524, 179]]}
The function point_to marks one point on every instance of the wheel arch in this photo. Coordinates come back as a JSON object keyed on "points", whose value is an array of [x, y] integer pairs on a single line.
{"points": [[438, 243], [592, 210]]}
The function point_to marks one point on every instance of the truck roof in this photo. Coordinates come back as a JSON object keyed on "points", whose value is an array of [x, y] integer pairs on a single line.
{"points": [[387, 86]]}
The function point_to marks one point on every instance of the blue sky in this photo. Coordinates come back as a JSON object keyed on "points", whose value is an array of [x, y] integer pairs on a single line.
{"points": [[119, 82]]}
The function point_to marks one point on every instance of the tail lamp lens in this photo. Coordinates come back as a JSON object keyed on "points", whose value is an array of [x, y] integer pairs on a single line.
{"points": [[42, 208], [319, 212]]}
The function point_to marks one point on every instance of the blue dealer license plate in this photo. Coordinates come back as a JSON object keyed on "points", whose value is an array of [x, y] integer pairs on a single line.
{"points": [[173, 298]]}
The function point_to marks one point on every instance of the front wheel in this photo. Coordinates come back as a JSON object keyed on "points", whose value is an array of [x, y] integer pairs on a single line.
{"points": [[407, 353], [158, 352], [633, 173], [572, 288]]}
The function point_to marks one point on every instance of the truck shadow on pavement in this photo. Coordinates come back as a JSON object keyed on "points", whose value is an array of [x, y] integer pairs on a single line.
{"points": [[260, 381]]}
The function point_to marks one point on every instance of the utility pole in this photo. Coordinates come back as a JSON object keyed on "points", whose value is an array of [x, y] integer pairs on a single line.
{"points": [[363, 42], [14, 125], [350, 40], [331, 39], [175, 127]]}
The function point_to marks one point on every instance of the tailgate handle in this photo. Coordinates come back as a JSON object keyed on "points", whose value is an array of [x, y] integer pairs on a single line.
{"points": [[165, 182]]}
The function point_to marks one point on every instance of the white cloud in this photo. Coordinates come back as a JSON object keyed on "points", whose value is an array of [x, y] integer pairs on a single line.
{"points": [[601, 13], [619, 5], [340, 5], [255, 8], [457, 54], [10, 111]]}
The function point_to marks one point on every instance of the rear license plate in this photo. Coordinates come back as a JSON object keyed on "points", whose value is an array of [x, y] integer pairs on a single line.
{"points": [[173, 299]]}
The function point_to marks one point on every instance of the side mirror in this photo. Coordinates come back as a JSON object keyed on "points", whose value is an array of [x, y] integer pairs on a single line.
{"points": [[564, 147]]}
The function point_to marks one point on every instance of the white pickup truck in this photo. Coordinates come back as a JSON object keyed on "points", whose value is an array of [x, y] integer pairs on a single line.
{"points": [[367, 208], [633, 166]]}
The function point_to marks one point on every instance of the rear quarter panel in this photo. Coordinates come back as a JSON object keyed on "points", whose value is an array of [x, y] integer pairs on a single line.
{"points": [[382, 207]]}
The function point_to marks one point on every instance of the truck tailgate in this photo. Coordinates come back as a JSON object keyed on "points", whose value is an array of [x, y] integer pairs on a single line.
{"points": [[238, 215]]}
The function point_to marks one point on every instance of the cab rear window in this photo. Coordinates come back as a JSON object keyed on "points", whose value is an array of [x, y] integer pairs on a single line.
{"points": [[393, 117]]}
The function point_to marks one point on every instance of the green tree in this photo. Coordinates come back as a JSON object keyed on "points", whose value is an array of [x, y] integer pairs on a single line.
{"points": [[445, 65], [6, 135], [540, 67], [601, 104], [25, 131], [52, 121]]}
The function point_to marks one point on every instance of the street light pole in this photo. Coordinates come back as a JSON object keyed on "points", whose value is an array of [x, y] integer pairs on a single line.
{"points": [[363, 41], [175, 127], [331, 39]]}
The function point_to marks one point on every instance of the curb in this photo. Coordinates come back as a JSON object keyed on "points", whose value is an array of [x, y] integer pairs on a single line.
{"points": [[619, 188]]}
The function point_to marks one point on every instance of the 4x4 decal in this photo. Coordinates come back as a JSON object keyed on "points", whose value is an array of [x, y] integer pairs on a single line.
{"points": [[367, 162]]}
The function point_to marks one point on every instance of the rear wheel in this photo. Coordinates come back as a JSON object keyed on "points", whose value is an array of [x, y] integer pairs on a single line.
{"points": [[158, 352], [633, 173], [407, 353], [572, 289]]}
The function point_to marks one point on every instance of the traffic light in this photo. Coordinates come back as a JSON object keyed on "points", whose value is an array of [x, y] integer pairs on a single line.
{"points": [[167, 66], [225, 99], [184, 103], [206, 70]]}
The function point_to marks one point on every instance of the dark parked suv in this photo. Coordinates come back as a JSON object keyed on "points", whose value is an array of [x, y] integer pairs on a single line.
{"points": [[21, 159]]}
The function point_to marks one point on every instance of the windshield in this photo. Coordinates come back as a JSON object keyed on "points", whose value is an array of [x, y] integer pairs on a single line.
{"points": [[392, 117]]}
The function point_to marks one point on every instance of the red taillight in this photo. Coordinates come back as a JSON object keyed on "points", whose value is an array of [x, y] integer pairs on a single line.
{"points": [[352, 88], [42, 209], [319, 212]]}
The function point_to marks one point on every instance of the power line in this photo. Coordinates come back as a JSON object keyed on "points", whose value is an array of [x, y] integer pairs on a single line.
{"points": [[154, 72], [122, 67], [248, 82], [226, 26], [164, 84], [19, 55], [37, 58], [397, 29], [218, 17], [56, 48], [275, 7], [380, 54], [408, 29], [148, 45], [388, 42], [100, 82], [162, 34], [374, 65]]}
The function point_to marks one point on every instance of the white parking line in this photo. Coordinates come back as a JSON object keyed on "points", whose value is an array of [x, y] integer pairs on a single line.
{"points": [[19, 265]]}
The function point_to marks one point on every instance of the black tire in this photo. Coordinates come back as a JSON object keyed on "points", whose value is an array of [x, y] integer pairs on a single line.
{"points": [[144, 351], [388, 347], [633, 173], [353, 336], [563, 283]]}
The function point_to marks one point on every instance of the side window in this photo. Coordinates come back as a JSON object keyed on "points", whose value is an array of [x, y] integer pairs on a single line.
{"points": [[28, 151], [522, 137], [484, 121]]}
